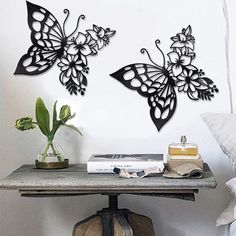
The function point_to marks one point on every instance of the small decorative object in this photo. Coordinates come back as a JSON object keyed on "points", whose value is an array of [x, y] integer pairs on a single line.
{"points": [[184, 171], [184, 160], [149, 172], [51, 156], [183, 148], [158, 82], [51, 43]]}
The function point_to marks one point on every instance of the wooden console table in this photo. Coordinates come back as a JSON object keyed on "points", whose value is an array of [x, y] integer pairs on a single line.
{"points": [[75, 180]]}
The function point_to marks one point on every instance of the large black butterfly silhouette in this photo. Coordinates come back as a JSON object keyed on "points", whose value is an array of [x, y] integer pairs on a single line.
{"points": [[158, 83], [50, 43]]}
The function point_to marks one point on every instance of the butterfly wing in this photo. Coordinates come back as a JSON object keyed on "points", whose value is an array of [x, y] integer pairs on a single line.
{"points": [[163, 104], [143, 78], [48, 42], [152, 82]]}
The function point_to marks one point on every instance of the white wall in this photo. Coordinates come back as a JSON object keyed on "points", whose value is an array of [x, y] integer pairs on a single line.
{"points": [[113, 118]]}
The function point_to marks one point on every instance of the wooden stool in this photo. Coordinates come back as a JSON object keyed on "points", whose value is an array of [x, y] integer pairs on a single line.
{"points": [[114, 222]]}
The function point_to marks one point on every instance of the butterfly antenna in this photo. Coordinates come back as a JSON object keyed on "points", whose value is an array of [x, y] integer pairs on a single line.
{"points": [[144, 50], [77, 25], [67, 12], [156, 43]]}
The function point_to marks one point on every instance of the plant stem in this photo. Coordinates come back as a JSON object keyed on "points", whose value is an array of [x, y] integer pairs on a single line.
{"points": [[53, 149], [35, 123], [45, 151], [55, 153]]}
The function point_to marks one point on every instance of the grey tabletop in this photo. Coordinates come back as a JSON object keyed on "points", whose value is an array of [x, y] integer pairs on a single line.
{"points": [[75, 179]]}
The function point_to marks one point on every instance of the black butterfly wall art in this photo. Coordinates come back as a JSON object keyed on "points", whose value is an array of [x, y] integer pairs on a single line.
{"points": [[158, 83], [50, 43]]}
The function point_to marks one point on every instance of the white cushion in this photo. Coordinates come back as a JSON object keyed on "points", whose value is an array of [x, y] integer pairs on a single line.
{"points": [[232, 229], [223, 128], [229, 214]]}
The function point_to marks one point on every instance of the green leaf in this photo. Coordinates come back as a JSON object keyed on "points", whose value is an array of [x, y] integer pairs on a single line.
{"points": [[54, 115], [74, 128], [42, 117]]}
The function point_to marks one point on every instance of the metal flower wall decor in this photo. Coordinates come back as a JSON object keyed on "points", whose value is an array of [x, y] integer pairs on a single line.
{"points": [[50, 43], [158, 83]]}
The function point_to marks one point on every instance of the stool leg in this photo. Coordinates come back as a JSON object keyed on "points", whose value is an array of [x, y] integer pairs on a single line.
{"points": [[122, 227], [92, 226], [107, 223], [141, 225]]}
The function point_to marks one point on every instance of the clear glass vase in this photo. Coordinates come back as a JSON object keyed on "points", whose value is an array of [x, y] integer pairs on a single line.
{"points": [[51, 152]]}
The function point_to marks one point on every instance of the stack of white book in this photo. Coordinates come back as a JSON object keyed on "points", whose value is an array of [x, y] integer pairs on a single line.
{"points": [[105, 163]]}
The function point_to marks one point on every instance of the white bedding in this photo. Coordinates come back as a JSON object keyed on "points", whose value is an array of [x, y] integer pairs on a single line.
{"points": [[232, 229], [229, 214], [223, 128], [227, 230]]}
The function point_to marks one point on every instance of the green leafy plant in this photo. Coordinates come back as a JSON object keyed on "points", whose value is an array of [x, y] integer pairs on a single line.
{"points": [[43, 122]]}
